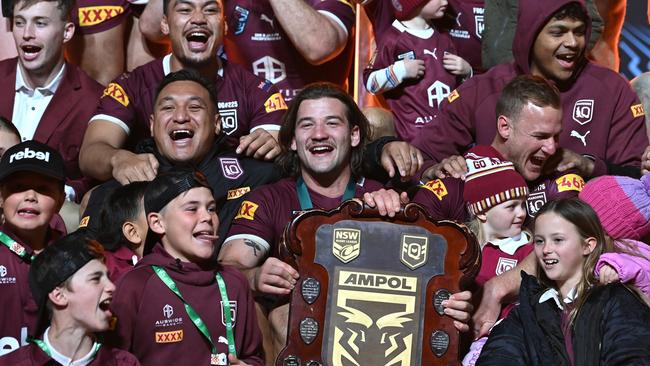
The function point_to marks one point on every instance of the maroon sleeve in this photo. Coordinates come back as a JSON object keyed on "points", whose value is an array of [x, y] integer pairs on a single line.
{"points": [[255, 217], [125, 306], [443, 199], [117, 101], [267, 105], [382, 58], [341, 9], [627, 136]]}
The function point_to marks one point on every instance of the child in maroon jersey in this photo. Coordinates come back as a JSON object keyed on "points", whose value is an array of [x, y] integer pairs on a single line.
{"points": [[31, 184], [397, 71], [496, 197], [70, 284], [159, 303]]}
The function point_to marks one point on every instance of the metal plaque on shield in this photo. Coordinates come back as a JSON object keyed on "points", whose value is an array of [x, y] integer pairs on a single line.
{"points": [[372, 286]]}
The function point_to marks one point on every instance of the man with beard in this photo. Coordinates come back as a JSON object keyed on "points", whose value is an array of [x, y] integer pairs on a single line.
{"points": [[250, 107]]}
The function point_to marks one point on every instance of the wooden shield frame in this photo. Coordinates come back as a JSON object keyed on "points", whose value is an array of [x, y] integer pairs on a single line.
{"points": [[311, 303]]}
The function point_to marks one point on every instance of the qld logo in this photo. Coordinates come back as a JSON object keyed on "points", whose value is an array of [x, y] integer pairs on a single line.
{"points": [[347, 244], [583, 111], [505, 264], [231, 168], [414, 251]]}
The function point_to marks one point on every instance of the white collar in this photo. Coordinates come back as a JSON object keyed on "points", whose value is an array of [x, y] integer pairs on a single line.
{"points": [[66, 361], [47, 89], [167, 65], [420, 33], [552, 293], [510, 245]]}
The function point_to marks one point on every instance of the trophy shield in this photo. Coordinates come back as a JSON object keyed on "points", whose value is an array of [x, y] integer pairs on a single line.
{"points": [[371, 287]]}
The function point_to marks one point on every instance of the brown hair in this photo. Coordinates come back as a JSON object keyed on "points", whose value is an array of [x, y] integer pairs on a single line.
{"points": [[526, 89], [288, 158], [64, 6]]}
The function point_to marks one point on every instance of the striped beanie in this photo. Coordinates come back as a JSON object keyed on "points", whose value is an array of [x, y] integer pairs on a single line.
{"points": [[490, 180], [622, 205]]}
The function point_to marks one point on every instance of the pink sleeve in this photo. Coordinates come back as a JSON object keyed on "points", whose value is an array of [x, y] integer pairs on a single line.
{"points": [[631, 268]]}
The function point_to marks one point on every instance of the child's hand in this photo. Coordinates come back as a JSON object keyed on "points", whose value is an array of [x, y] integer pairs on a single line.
{"points": [[456, 65], [233, 360], [414, 69], [608, 274]]}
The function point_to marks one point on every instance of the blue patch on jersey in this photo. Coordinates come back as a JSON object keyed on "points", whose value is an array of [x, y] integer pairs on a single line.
{"points": [[241, 14], [265, 85]]}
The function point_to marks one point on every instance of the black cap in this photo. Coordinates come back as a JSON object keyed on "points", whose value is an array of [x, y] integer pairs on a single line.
{"points": [[32, 156], [165, 187], [57, 263]]}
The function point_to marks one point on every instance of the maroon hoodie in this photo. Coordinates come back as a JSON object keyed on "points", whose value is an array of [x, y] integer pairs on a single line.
{"points": [[602, 115], [19, 312], [32, 355], [154, 326]]}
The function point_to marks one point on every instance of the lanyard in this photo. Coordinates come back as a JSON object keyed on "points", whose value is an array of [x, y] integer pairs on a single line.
{"points": [[46, 349], [196, 319], [305, 200], [16, 248]]}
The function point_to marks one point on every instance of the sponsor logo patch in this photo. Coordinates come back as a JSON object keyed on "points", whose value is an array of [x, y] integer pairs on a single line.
{"points": [[91, 15], [169, 337], [116, 92], [437, 187], [453, 96], [231, 168], [414, 250], [247, 210], [275, 103], [570, 182], [237, 192], [346, 244], [637, 110]]}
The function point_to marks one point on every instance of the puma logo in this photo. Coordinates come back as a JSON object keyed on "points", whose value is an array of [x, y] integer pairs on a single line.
{"points": [[582, 138], [265, 18], [432, 53]]}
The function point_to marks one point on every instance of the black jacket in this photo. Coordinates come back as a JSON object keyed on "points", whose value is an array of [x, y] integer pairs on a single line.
{"points": [[612, 328]]}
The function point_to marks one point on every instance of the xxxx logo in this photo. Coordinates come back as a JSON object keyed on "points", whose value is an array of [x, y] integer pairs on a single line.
{"points": [[247, 210], [169, 337], [116, 92], [437, 187], [91, 15]]}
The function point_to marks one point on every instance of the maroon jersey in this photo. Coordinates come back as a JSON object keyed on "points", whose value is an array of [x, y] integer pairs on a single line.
{"points": [[266, 211], [154, 326], [414, 102], [467, 29], [602, 115], [32, 355], [245, 101], [443, 198], [19, 312], [502, 256], [118, 262], [256, 40]]}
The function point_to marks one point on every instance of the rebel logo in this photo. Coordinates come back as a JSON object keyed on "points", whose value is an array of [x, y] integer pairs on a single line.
{"points": [[29, 154], [583, 111]]}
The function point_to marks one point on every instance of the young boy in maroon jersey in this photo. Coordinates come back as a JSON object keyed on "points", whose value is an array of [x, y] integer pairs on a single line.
{"points": [[177, 303], [70, 284], [397, 70], [31, 185]]}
